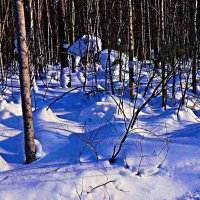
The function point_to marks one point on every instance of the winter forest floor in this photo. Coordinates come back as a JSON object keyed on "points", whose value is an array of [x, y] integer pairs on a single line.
{"points": [[163, 150]]}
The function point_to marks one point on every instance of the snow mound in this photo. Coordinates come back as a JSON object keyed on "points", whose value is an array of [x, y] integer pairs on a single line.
{"points": [[186, 114], [64, 78], [79, 48], [3, 164], [114, 56], [38, 149], [10, 110], [98, 112], [45, 115], [81, 77], [140, 102], [77, 60], [2, 104]]}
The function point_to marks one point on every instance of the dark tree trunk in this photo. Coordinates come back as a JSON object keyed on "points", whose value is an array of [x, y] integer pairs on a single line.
{"points": [[63, 51], [194, 52]]}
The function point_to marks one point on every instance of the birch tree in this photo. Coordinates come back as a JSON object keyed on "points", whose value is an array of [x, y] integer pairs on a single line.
{"points": [[131, 50], [25, 82]]}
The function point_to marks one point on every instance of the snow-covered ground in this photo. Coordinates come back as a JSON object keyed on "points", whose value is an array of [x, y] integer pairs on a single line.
{"points": [[159, 160]]}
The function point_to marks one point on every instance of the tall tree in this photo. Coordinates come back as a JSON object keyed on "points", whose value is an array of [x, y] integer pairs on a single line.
{"points": [[25, 82], [131, 49], [163, 55], [194, 52], [65, 68]]}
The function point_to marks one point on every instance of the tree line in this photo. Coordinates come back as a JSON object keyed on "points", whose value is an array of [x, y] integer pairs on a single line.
{"points": [[171, 25]]}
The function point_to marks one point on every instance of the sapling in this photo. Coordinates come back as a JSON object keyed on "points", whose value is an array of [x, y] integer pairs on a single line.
{"points": [[133, 120]]}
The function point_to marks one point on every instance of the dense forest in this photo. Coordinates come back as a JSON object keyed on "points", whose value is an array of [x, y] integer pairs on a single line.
{"points": [[165, 33], [103, 88], [168, 28]]}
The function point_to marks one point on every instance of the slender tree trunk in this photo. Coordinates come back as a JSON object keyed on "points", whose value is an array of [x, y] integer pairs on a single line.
{"points": [[73, 21], [25, 82], [63, 51], [149, 29], [108, 30], [131, 50], [172, 34], [163, 55], [157, 6], [1, 63], [143, 40], [119, 40], [73, 17], [194, 53], [30, 28]]}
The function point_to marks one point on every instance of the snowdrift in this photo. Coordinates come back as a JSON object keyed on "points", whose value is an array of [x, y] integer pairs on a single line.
{"points": [[3, 164], [92, 43]]}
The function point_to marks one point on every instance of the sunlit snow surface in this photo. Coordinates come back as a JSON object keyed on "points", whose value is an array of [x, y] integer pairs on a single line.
{"points": [[78, 128]]}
